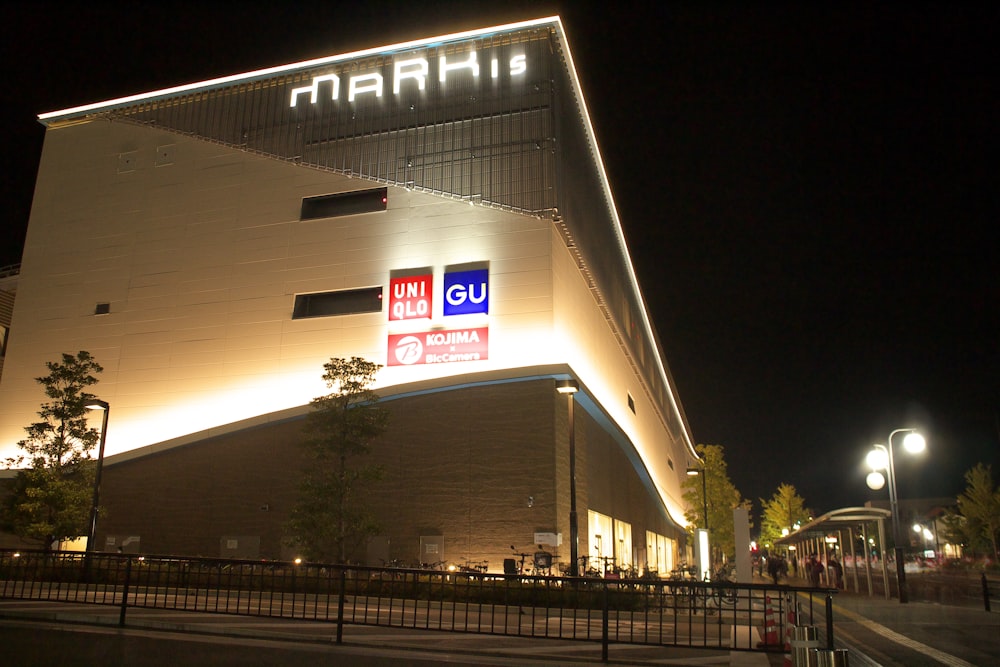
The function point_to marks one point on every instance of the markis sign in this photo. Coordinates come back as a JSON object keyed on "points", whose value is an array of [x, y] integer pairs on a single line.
{"points": [[411, 297], [408, 74]]}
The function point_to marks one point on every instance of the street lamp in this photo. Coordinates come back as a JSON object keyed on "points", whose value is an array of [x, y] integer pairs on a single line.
{"points": [[881, 458], [97, 404], [700, 472], [924, 532], [570, 387], [702, 542]]}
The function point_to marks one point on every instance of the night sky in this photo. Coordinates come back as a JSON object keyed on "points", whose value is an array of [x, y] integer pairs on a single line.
{"points": [[810, 195]]}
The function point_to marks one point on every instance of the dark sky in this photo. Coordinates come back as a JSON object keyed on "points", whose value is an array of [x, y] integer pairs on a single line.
{"points": [[810, 194]]}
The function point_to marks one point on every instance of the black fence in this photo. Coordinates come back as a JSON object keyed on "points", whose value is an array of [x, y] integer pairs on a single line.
{"points": [[679, 613], [991, 591]]}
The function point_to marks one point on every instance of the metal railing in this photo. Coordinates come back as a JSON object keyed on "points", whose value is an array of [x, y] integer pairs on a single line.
{"points": [[991, 589], [649, 611]]}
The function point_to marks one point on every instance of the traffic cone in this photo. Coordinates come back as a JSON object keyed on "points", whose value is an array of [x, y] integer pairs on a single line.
{"points": [[772, 617], [791, 616], [791, 620]]}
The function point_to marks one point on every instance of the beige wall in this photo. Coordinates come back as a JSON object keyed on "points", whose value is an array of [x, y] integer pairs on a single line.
{"points": [[200, 260], [199, 250]]}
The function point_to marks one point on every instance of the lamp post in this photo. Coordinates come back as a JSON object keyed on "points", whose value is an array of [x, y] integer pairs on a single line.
{"points": [[97, 404], [700, 472], [881, 458], [570, 387], [702, 541], [924, 532]]}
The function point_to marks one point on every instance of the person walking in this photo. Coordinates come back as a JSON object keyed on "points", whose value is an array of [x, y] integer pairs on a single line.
{"points": [[814, 568], [836, 572], [774, 567]]}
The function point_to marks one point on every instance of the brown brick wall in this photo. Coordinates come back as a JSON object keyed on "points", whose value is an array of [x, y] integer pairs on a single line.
{"points": [[461, 464]]}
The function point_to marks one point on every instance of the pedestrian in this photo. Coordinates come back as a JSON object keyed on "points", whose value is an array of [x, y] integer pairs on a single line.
{"points": [[774, 568], [814, 568], [836, 572]]}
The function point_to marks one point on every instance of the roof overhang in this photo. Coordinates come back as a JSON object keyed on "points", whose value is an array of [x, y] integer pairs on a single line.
{"points": [[836, 519]]}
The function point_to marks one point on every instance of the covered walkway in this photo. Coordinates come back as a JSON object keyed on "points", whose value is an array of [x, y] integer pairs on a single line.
{"points": [[825, 536]]}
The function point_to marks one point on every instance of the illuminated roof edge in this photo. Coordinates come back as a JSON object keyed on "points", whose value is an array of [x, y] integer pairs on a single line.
{"points": [[45, 118], [620, 234]]}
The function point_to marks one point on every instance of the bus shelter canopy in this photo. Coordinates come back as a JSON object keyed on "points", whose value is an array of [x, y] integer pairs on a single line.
{"points": [[839, 519]]}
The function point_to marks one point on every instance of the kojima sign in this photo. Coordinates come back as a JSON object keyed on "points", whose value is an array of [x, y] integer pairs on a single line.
{"points": [[439, 347]]}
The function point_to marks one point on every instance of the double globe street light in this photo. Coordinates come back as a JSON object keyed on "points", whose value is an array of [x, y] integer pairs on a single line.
{"points": [[881, 458]]}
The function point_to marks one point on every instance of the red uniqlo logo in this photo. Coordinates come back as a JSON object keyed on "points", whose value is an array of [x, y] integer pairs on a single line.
{"points": [[410, 297]]}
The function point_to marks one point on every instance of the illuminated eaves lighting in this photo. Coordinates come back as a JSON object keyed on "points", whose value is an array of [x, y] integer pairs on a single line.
{"points": [[567, 386]]}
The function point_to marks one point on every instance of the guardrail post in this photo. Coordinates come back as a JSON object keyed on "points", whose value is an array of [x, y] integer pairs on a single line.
{"points": [[829, 621], [604, 625], [986, 591], [340, 605], [128, 581]]}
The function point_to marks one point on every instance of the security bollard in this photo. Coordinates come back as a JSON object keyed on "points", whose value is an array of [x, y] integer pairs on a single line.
{"points": [[821, 657], [805, 638]]}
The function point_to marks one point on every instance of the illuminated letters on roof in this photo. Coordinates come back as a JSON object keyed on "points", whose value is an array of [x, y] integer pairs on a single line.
{"points": [[413, 71]]}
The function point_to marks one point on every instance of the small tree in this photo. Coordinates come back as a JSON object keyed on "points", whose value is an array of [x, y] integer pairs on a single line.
{"points": [[980, 505], [782, 511], [721, 498], [50, 498], [331, 520]]}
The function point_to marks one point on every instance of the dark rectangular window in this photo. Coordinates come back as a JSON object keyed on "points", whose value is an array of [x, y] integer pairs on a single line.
{"points": [[345, 203], [343, 302]]}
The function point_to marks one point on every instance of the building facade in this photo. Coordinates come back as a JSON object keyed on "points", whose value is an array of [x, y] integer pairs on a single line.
{"points": [[439, 207]]}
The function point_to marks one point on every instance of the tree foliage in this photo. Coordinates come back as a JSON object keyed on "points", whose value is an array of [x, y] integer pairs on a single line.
{"points": [[331, 521], [979, 505], [785, 509], [50, 497], [722, 498]]}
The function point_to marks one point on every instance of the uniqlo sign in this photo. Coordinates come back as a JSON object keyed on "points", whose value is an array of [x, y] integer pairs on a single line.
{"points": [[410, 297], [439, 347]]}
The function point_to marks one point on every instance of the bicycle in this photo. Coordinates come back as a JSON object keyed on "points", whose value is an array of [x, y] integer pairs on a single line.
{"points": [[723, 596]]}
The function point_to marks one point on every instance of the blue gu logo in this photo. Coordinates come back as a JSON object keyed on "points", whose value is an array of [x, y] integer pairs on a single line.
{"points": [[466, 292]]}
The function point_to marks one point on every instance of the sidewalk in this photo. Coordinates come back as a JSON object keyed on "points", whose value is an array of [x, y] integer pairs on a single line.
{"points": [[44, 633], [874, 630], [885, 632]]}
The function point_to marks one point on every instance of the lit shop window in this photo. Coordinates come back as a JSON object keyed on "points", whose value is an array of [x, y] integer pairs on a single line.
{"points": [[342, 302], [345, 203]]}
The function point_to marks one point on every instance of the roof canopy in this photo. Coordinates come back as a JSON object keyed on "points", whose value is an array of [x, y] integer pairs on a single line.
{"points": [[839, 518]]}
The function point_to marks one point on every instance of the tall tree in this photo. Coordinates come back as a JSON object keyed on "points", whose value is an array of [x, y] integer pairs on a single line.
{"points": [[331, 520], [980, 505], [781, 512], [50, 497], [721, 498]]}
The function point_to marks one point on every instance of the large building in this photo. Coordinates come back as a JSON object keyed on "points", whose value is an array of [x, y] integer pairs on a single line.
{"points": [[439, 207]]}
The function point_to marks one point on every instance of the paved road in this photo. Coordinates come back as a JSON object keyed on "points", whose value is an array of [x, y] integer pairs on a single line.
{"points": [[876, 632]]}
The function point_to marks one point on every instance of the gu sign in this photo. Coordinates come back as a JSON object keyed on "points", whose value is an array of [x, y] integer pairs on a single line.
{"points": [[467, 292], [410, 297]]}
